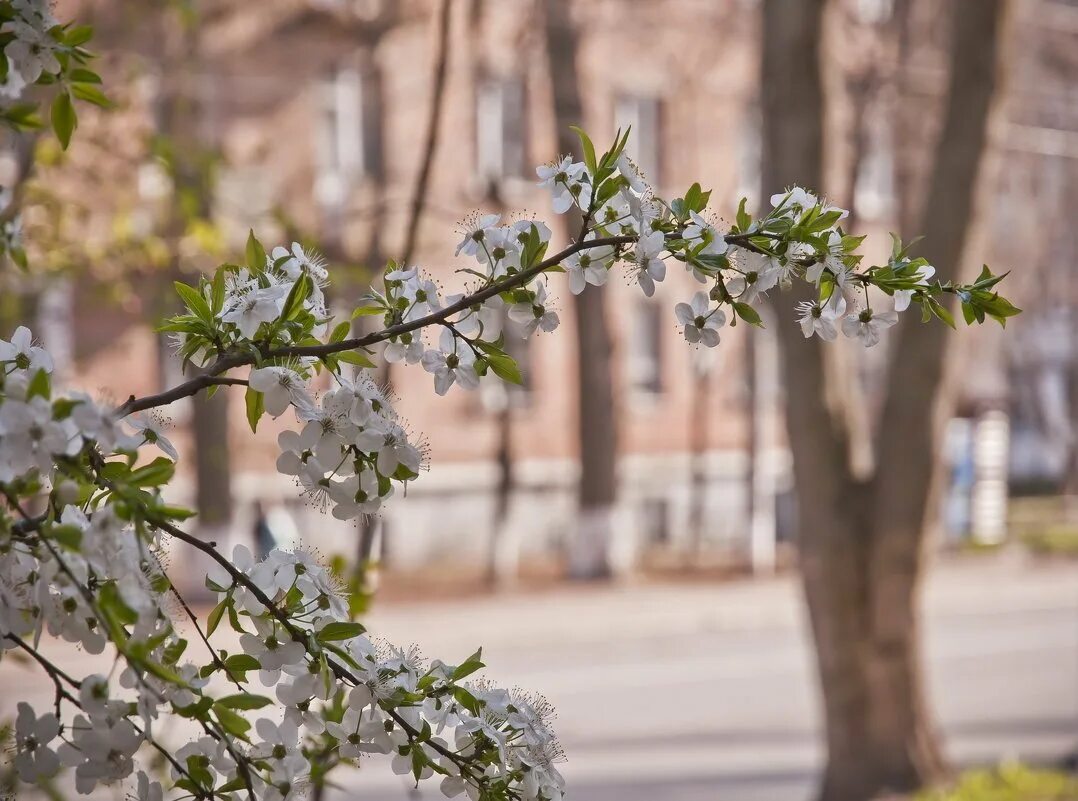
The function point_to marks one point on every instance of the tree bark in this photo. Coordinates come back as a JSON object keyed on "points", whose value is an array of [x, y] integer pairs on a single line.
{"points": [[861, 541], [369, 527], [596, 420], [180, 118]]}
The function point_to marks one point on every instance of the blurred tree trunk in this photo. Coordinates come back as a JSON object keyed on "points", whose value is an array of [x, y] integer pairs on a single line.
{"points": [[371, 528], [179, 121], [596, 422], [861, 539]]}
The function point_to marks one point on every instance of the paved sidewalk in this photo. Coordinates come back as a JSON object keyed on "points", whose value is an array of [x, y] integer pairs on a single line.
{"points": [[705, 691]]}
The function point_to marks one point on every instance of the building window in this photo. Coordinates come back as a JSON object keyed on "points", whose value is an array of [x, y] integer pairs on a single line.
{"points": [[500, 126], [874, 188], [349, 140], [874, 12], [749, 156], [520, 349], [645, 348], [642, 113], [655, 521]]}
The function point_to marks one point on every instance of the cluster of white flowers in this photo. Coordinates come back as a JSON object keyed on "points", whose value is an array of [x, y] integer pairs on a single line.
{"points": [[339, 691], [743, 270], [83, 520], [350, 447], [32, 52], [87, 570]]}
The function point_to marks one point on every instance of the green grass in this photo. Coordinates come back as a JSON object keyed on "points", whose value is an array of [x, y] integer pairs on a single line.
{"points": [[1008, 783], [1057, 540]]}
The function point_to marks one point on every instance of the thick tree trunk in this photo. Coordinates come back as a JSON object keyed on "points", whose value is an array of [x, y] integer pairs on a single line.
{"points": [[213, 485], [180, 120], [596, 421], [861, 542], [919, 398]]}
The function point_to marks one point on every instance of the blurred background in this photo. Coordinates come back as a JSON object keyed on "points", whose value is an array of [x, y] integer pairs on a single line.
{"points": [[712, 562]]}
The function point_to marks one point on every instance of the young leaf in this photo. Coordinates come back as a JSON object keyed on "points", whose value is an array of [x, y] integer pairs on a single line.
{"points": [[743, 218], [64, 118], [339, 630], [214, 619], [194, 301], [505, 368], [748, 314], [354, 357], [255, 253], [589, 148], [244, 701], [256, 406]]}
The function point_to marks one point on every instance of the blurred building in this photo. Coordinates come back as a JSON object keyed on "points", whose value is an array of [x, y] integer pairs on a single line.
{"points": [[318, 110]]}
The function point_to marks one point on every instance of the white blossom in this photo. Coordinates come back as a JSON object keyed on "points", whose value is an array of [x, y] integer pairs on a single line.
{"points": [[701, 323], [650, 269], [453, 362], [867, 325], [822, 320]]}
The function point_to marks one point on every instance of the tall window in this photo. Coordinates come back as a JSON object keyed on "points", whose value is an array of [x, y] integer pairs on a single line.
{"points": [[349, 141], [874, 12], [645, 364], [643, 114], [750, 155], [499, 126], [520, 349], [874, 189]]}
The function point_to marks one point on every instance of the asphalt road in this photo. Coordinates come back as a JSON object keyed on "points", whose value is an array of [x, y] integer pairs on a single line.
{"points": [[705, 693]]}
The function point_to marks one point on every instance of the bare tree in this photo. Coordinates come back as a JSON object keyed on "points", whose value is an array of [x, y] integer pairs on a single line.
{"points": [[862, 537], [370, 525], [596, 420], [179, 120]]}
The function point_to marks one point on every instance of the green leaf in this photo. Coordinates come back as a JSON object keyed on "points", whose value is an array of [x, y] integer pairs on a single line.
{"points": [[296, 296], [217, 292], [230, 787], [174, 512], [744, 220], [748, 314], [64, 118], [244, 701], [340, 331], [91, 94], [589, 148], [256, 407], [505, 368], [154, 474], [172, 653], [234, 724], [469, 666], [696, 199], [114, 607], [83, 75], [367, 311], [466, 700], [241, 662], [214, 620], [78, 35], [339, 630], [255, 253], [941, 311], [354, 357], [194, 301], [40, 386]]}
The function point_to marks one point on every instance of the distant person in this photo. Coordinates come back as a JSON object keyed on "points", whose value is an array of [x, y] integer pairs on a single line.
{"points": [[283, 527], [265, 542]]}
